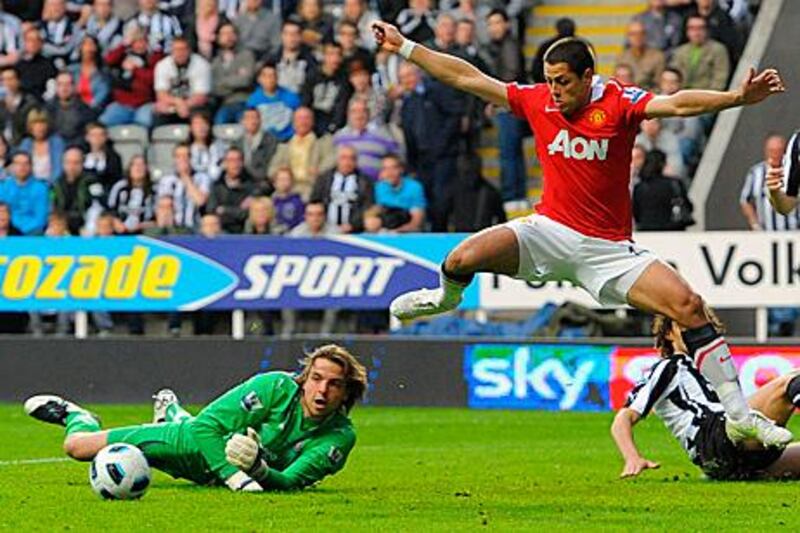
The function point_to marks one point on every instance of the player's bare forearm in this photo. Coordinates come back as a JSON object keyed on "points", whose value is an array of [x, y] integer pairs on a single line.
{"points": [[444, 67], [783, 203], [622, 431], [753, 89]]}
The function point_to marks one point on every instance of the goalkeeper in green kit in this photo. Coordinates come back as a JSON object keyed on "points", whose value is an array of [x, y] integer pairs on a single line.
{"points": [[274, 431]]}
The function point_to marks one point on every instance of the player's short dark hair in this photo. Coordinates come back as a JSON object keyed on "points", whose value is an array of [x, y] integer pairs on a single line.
{"points": [[662, 331], [498, 11], [292, 20], [574, 51]]}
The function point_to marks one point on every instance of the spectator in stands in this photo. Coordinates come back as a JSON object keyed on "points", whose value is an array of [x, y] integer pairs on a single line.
{"points": [[287, 203], [71, 193], [104, 26], [293, 60], [474, 13], [638, 153], [231, 195], [316, 24], [362, 89], [207, 152], [506, 64], [35, 70], [345, 191], [26, 196], [10, 39], [689, 130], [44, 147], [67, 111], [401, 197], [663, 27], [370, 141], [14, 107], [275, 103], [5, 154], [182, 83], [132, 199], [417, 21], [352, 53], [703, 62], [166, 223], [444, 35], [89, 78], [132, 67], [357, 13], [653, 137], [188, 188], [373, 220], [467, 44], [761, 216], [623, 72], [259, 29], [565, 27], [7, 229], [211, 226], [721, 27], [232, 75], [160, 28], [259, 216], [61, 34], [257, 145], [56, 227], [327, 91], [305, 154], [657, 199], [101, 160], [201, 30], [647, 63]]}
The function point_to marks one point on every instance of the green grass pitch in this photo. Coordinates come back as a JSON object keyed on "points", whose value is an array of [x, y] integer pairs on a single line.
{"points": [[412, 470]]}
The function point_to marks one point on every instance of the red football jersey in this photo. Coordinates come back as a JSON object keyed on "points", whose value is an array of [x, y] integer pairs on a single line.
{"points": [[585, 157]]}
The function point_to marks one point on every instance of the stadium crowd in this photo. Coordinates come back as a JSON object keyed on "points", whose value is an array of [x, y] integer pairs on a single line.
{"points": [[255, 117]]}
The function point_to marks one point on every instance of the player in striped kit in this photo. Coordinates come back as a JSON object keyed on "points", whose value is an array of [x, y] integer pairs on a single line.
{"points": [[783, 182], [684, 400]]}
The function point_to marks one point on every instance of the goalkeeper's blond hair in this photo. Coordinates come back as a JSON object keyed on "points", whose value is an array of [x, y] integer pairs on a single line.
{"points": [[355, 374]]}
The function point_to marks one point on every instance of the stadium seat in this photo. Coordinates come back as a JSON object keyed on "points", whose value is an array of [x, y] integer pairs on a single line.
{"points": [[229, 133], [129, 140], [159, 159], [172, 133]]}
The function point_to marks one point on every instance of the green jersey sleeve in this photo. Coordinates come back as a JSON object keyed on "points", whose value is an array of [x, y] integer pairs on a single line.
{"points": [[325, 456], [246, 405]]}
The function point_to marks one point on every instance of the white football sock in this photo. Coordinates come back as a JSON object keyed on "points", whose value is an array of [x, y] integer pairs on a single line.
{"points": [[715, 362]]}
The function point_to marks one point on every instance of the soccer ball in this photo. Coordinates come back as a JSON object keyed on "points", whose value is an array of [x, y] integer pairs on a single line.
{"points": [[119, 472]]}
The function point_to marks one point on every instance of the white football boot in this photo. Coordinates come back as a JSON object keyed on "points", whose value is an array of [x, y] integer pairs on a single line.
{"points": [[161, 401], [759, 427], [54, 409], [425, 302]]}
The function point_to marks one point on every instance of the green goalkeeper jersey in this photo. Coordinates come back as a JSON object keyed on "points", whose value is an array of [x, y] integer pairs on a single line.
{"points": [[299, 451]]}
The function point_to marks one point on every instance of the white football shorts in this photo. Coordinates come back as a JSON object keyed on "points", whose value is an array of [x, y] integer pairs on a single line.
{"points": [[551, 251]]}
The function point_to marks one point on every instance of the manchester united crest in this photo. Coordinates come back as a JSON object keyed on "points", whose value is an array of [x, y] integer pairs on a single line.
{"points": [[597, 117]]}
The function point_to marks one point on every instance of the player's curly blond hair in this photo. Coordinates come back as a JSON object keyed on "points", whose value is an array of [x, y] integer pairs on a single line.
{"points": [[662, 331], [355, 374]]}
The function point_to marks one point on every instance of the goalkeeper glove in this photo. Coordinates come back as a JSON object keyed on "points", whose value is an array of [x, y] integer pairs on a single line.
{"points": [[245, 453], [241, 482]]}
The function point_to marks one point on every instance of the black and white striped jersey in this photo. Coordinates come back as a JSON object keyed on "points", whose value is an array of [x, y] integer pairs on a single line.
{"points": [[754, 192], [679, 395], [791, 166]]}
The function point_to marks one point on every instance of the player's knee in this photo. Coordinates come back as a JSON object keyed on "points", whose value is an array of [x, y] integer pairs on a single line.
{"points": [[688, 308], [462, 260]]}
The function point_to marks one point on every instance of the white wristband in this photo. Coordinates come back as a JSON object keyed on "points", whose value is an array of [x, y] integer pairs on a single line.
{"points": [[406, 48]]}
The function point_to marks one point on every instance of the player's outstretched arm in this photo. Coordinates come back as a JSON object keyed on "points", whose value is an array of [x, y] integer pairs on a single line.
{"points": [[622, 431], [753, 89], [444, 67], [782, 202]]}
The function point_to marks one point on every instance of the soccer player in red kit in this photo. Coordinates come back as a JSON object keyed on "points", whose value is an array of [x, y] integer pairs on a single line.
{"points": [[584, 130]]}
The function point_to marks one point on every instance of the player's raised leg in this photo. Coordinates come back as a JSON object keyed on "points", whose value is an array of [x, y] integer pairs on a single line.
{"points": [[84, 437], [660, 289], [167, 407], [779, 398], [493, 250]]}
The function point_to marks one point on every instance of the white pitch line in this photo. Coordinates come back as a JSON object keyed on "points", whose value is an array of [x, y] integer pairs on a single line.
{"points": [[42, 460]]}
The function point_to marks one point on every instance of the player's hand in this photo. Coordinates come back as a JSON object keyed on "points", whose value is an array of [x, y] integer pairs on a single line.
{"points": [[387, 36], [242, 450], [774, 179], [241, 482], [634, 467], [755, 88]]}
